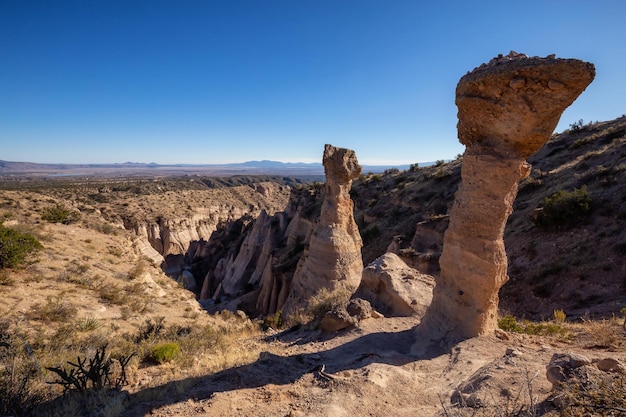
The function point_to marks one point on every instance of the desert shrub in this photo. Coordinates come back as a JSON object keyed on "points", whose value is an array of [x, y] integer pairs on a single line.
{"points": [[54, 309], [164, 352], [112, 293], [274, 321], [138, 269], [60, 214], [16, 248], [577, 126], [150, 330], [559, 316], [325, 300], [95, 373], [510, 324], [6, 278], [604, 397], [19, 376], [564, 209], [87, 324]]}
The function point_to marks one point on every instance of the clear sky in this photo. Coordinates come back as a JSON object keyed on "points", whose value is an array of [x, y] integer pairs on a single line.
{"points": [[97, 81]]}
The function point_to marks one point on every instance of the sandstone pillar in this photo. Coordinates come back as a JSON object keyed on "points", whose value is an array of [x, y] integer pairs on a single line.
{"points": [[333, 259], [507, 110]]}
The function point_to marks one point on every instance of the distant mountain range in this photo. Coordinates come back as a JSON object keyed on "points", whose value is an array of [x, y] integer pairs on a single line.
{"points": [[265, 167]]}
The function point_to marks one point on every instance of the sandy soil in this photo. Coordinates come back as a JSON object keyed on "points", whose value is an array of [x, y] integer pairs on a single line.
{"points": [[370, 371]]}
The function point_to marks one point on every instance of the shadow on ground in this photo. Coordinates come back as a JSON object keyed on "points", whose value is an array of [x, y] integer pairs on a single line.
{"points": [[393, 348]]}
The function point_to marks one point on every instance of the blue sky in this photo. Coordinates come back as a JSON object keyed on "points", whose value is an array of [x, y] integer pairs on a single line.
{"points": [[233, 80]]}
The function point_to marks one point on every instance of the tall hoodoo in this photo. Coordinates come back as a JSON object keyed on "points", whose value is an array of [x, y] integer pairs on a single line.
{"points": [[507, 110], [333, 260]]}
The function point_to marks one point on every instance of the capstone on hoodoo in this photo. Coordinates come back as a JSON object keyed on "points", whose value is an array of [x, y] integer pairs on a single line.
{"points": [[507, 110]]}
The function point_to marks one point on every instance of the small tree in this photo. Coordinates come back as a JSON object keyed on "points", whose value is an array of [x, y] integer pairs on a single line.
{"points": [[16, 247], [564, 209], [60, 214]]}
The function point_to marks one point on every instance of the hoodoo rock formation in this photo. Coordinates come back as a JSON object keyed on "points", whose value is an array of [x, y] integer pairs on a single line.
{"points": [[333, 260], [507, 110]]}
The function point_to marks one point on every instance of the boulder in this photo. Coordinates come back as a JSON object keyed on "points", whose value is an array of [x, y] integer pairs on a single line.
{"points": [[395, 289]]}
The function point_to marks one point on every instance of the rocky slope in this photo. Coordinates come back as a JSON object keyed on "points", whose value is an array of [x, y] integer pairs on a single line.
{"points": [[573, 265]]}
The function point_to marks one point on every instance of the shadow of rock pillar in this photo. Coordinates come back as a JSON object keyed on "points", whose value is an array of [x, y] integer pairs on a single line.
{"points": [[507, 110]]}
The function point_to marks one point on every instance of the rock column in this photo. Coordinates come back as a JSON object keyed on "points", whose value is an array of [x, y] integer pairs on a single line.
{"points": [[333, 260], [507, 110]]}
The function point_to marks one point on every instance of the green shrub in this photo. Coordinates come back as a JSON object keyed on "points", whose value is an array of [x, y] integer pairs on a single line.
{"points": [[16, 248], [273, 321], [510, 324], [164, 352], [564, 209], [60, 214]]}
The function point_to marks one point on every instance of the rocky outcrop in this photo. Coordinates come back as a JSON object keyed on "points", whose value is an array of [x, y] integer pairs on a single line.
{"points": [[507, 110], [395, 289], [261, 256], [173, 236], [333, 258]]}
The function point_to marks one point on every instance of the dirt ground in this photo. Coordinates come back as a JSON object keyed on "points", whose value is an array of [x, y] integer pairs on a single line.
{"points": [[378, 369]]}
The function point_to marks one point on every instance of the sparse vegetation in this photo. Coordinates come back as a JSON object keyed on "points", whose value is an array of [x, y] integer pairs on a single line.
{"points": [[17, 248], [274, 321], [164, 352], [602, 398], [55, 309], [95, 373], [60, 214], [92, 268], [88, 324], [564, 209], [559, 316], [510, 324]]}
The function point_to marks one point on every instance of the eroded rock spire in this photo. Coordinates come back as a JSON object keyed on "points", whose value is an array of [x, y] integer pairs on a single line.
{"points": [[507, 110], [333, 260]]}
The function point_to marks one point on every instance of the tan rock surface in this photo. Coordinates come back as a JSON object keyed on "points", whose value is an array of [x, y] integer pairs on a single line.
{"points": [[394, 288], [507, 111], [333, 259]]}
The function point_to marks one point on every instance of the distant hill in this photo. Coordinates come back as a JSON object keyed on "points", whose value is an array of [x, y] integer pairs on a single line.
{"points": [[264, 167]]}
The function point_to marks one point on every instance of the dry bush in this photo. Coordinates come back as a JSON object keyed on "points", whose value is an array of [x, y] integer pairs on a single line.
{"points": [[320, 304], [603, 397], [523, 403], [510, 324], [112, 293], [53, 310], [140, 267], [21, 388], [605, 333]]}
